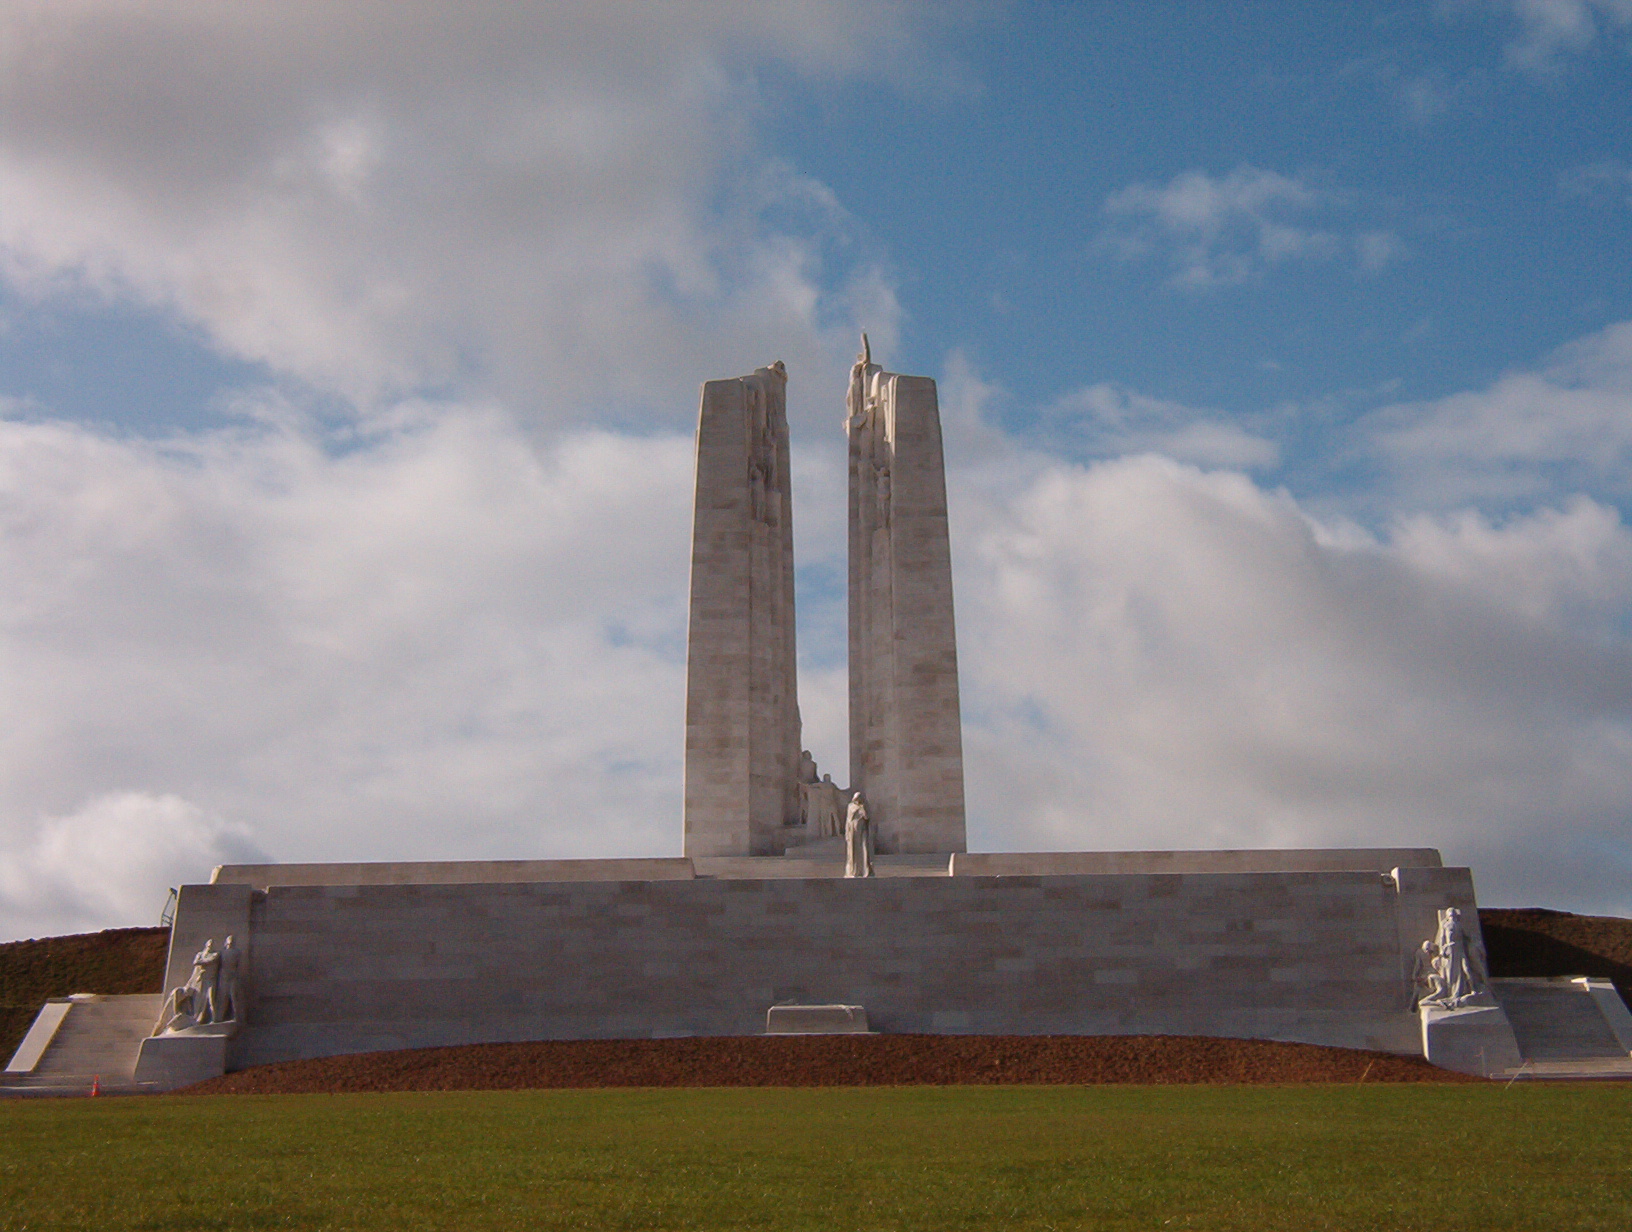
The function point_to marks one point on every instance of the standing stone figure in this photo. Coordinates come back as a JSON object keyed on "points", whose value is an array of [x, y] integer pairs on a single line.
{"points": [[809, 791], [829, 809], [225, 1008], [858, 847], [192, 1004]]}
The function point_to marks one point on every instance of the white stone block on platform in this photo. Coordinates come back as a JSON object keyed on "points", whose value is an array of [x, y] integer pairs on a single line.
{"points": [[1476, 1039], [816, 1020], [183, 1057]]}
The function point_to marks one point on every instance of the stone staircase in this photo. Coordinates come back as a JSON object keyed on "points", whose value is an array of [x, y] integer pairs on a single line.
{"points": [[97, 1040], [1567, 1028]]}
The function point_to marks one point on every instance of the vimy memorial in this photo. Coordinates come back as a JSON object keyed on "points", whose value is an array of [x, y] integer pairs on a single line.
{"points": [[800, 904]]}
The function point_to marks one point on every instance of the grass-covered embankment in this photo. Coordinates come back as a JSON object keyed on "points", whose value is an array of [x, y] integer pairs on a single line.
{"points": [[1252, 1158], [119, 960], [1535, 941]]}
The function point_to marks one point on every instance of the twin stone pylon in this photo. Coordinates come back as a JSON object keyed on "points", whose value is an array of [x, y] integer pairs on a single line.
{"points": [[743, 794]]}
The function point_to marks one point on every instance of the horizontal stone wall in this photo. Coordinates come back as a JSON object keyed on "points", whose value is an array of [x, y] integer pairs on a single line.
{"points": [[452, 872], [1270, 860], [1321, 957]]}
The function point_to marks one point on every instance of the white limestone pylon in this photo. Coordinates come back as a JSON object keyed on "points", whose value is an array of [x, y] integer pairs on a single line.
{"points": [[742, 709], [906, 735]]}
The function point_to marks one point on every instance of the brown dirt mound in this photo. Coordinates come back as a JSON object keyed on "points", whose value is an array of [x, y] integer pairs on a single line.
{"points": [[827, 1060], [1536, 941]]}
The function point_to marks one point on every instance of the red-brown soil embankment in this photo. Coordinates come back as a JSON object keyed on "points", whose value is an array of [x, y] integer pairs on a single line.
{"points": [[828, 1060]]}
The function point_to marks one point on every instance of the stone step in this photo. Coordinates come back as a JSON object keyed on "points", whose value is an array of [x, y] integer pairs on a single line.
{"points": [[1593, 1069], [58, 1086], [100, 1036], [815, 861], [1557, 1020]]}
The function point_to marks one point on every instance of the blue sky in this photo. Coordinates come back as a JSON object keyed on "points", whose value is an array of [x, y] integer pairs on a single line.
{"points": [[349, 356], [990, 195]]}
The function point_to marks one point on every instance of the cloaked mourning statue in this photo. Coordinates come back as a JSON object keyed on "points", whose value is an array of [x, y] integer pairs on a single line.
{"points": [[858, 840]]}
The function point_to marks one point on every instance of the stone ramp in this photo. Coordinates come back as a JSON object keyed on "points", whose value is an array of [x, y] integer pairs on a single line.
{"points": [[1568, 1028], [99, 1038]]}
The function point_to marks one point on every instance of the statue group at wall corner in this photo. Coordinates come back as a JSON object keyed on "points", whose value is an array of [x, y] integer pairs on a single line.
{"points": [[211, 996], [1450, 970]]}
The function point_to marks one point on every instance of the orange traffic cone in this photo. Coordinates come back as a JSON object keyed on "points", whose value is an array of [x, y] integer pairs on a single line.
{"points": [[96, 1085]]}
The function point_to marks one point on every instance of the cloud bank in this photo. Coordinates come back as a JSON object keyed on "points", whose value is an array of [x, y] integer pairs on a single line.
{"points": [[444, 643], [1159, 656], [450, 643], [561, 205], [446, 617]]}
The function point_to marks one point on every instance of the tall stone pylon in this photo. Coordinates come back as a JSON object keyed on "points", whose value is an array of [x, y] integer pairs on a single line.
{"points": [[906, 732], [742, 707]]}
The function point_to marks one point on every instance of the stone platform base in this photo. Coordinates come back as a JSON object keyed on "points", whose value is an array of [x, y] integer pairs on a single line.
{"points": [[816, 1020], [1475, 1039], [1226, 944], [178, 1060]]}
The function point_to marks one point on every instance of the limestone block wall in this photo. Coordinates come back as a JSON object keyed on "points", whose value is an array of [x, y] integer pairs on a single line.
{"points": [[207, 913], [1246, 860], [1320, 957], [906, 735], [742, 710], [445, 872]]}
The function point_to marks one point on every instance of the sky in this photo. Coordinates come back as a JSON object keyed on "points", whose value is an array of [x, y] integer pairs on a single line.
{"points": [[349, 364]]}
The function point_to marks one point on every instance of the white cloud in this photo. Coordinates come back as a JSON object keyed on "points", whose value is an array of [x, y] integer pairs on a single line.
{"points": [[1551, 30], [1217, 231], [446, 641], [1113, 420], [439, 643], [1612, 178], [109, 864], [558, 204], [1564, 427], [440, 632], [1155, 656]]}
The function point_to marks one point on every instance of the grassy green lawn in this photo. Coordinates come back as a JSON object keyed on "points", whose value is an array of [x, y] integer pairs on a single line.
{"points": [[1430, 1157]]}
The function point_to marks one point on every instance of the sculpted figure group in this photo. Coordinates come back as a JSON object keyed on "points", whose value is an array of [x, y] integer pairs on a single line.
{"points": [[211, 993], [1450, 970], [821, 803], [820, 806]]}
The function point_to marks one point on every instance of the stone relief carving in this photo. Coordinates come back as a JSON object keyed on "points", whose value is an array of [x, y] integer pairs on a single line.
{"points": [[856, 404], [830, 810], [225, 1008], [1450, 971], [756, 492], [821, 803], [211, 996], [764, 481], [858, 840]]}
